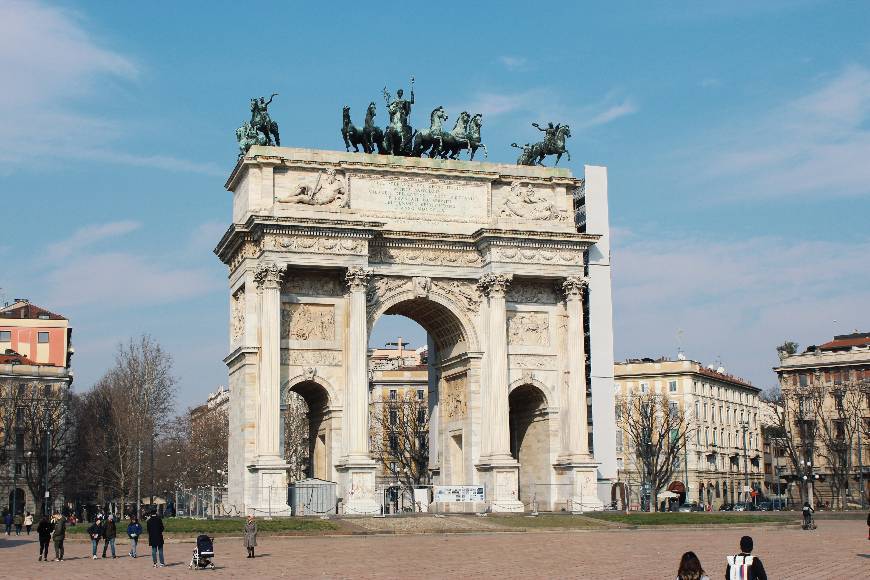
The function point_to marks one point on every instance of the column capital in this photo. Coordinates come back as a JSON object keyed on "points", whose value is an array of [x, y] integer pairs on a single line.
{"points": [[269, 275], [574, 287], [494, 285], [357, 278]]}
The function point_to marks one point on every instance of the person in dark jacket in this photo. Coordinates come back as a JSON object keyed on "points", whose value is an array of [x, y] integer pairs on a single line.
{"points": [[251, 536], [95, 532], [134, 530], [59, 536], [43, 530], [7, 521], [745, 562], [110, 532], [155, 538], [19, 521]]}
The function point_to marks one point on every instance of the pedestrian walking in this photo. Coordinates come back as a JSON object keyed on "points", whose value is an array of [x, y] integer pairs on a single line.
{"points": [[155, 538], [250, 536], [745, 566], [134, 530], [690, 568], [59, 536], [95, 532], [19, 520], [807, 512], [110, 532], [43, 530], [7, 521], [28, 521]]}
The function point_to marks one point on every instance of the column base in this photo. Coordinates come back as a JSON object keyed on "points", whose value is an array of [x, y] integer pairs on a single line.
{"points": [[500, 477], [583, 480], [271, 492], [358, 481]]}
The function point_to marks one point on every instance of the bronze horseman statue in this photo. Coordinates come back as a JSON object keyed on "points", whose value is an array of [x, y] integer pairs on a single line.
{"points": [[553, 144], [261, 129]]}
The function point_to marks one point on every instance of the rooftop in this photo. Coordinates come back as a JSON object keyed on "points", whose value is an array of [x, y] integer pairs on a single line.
{"points": [[21, 308], [688, 365], [844, 342]]}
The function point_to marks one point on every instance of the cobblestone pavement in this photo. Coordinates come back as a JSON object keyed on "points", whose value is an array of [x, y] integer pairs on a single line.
{"points": [[838, 549]]}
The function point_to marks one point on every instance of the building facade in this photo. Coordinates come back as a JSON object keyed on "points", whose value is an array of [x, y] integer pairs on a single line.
{"points": [[723, 454], [829, 387], [35, 381]]}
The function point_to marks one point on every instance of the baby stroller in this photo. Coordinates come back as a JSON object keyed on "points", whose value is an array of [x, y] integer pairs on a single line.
{"points": [[202, 553]]}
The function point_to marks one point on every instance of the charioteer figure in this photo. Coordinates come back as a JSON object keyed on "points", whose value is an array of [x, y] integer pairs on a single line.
{"points": [[397, 137]]}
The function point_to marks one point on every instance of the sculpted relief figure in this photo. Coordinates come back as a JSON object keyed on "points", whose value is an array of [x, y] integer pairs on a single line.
{"points": [[237, 322], [529, 328], [309, 321], [397, 137], [328, 189], [526, 203]]}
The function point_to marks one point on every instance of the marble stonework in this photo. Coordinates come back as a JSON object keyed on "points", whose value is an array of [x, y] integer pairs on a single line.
{"points": [[488, 258]]}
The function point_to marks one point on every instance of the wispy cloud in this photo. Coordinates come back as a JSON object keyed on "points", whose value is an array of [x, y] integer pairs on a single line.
{"points": [[818, 142], [735, 299], [87, 236], [514, 63], [610, 113], [51, 63]]}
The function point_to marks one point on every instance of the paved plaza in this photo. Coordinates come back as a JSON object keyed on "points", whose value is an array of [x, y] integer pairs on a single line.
{"points": [[838, 549]]}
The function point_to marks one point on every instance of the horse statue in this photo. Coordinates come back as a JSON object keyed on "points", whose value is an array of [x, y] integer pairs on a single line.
{"points": [[525, 157], [430, 140], [553, 144], [372, 134], [352, 134], [473, 135], [262, 122], [452, 141], [248, 136]]}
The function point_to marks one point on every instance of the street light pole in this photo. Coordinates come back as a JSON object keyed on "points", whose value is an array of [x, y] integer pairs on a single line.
{"points": [[744, 425]]}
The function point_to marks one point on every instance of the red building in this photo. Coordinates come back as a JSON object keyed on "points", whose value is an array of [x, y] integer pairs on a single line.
{"points": [[35, 333]]}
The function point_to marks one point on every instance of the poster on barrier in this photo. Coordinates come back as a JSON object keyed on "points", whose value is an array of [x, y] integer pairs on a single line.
{"points": [[452, 493]]}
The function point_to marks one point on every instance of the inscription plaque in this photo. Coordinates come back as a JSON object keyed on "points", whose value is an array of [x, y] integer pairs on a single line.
{"points": [[412, 195]]}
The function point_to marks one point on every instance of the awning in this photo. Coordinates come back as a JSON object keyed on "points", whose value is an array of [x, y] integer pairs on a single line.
{"points": [[667, 495], [677, 487]]}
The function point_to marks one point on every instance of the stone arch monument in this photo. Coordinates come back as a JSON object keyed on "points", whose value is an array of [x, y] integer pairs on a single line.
{"points": [[506, 267]]}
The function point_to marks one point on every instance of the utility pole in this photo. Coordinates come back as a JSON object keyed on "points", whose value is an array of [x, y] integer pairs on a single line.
{"points": [[45, 501]]}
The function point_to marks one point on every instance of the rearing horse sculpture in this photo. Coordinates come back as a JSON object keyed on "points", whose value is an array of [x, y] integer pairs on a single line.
{"points": [[430, 140], [352, 134], [372, 134], [453, 141]]}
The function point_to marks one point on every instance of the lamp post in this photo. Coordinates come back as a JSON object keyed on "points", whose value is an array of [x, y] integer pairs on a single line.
{"points": [[809, 479], [744, 425]]}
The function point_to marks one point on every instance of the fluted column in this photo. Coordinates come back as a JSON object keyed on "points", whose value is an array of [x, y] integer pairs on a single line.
{"points": [[495, 406], [268, 280], [357, 398], [576, 416]]}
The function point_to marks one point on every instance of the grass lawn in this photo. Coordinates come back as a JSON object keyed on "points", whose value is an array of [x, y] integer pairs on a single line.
{"points": [[681, 518], [545, 521], [190, 527]]}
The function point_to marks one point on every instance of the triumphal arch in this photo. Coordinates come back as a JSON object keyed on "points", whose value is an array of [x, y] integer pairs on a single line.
{"points": [[503, 267]]}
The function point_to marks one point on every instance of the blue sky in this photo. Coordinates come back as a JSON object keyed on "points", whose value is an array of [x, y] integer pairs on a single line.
{"points": [[737, 137]]}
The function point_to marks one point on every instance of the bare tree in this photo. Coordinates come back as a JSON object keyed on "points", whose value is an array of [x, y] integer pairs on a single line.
{"points": [[400, 437], [657, 430]]}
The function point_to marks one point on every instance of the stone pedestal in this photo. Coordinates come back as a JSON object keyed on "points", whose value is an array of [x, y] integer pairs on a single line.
{"points": [[358, 482], [582, 477], [501, 480], [271, 496]]}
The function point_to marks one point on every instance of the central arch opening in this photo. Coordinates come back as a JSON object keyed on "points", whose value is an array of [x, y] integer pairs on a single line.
{"points": [[306, 437], [418, 377]]}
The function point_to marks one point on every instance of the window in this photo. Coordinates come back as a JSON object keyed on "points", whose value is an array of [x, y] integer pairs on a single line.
{"points": [[672, 386], [22, 388], [620, 464], [714, 437], [697, 409], [5, 335], [644, 387], [674, 408], [18, 469], [705, 411], [393, 417], [393, 394], [19, 443], [419, 394], [46, 391], [393, 468], [619, 441], [421, 416], [42, 337], [394, 443]]}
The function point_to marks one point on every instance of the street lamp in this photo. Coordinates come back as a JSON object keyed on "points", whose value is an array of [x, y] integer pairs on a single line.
{"points": [[809, 480], [744, 425]]}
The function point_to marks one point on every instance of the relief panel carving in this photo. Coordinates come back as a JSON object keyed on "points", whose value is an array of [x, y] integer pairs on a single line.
{"points": [[453, 405], [526, 202], [528, 328], [308, 321], [428, 256], [461, 292], [531, 292], [324, 358], [237, 316], [543, 255], [314, 244], [382, 286], [312, 285], [531, 361]]}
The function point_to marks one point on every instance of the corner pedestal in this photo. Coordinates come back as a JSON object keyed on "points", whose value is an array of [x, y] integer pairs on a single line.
{"points": [[358, 479], [271, 482], [501, 480], [582, 477]]}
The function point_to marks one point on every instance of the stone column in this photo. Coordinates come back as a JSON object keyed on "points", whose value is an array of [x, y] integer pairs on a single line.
{"points": [[357, 468], [357, 395], [576, 416], [499, 471], [268, 279], [495, 406]]}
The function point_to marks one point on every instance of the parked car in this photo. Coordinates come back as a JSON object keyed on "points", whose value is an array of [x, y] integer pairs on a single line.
{"points": [[690, 507], [765, 506], [726, 507], [739, 507]]}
